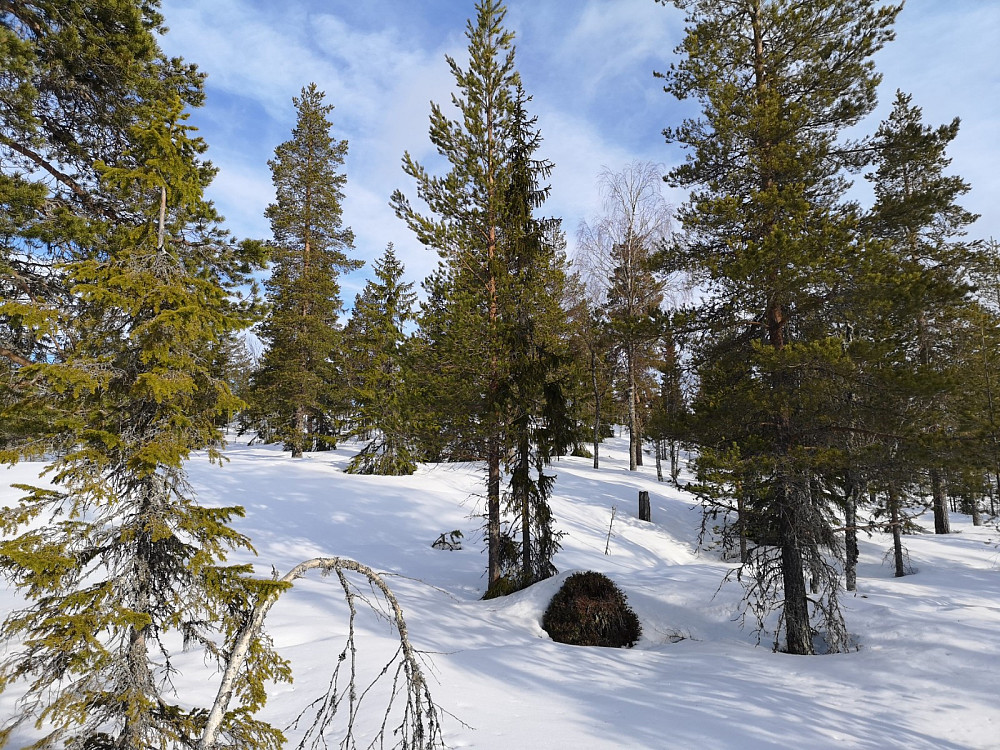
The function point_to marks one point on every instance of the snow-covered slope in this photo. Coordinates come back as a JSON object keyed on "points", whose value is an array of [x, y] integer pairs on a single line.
{"points": [[926, 674]]}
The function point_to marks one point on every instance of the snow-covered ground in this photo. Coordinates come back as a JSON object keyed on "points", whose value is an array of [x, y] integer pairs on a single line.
{"points": [[926, 675]]}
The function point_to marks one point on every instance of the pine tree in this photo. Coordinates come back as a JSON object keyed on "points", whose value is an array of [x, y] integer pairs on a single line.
{"points": [[769, 237], [120, 553], [917, 216], [481, 229], [374, 340], [296, 390]]}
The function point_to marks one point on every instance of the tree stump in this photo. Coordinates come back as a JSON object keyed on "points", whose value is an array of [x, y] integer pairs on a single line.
{"points": [[644, 511]]}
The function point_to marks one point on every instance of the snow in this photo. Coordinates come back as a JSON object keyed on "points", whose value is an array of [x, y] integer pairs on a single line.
{"points": [[924, 676]]}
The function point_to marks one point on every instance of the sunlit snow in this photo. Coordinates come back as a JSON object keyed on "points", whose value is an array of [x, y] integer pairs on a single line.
{"points": [[926, 674]]}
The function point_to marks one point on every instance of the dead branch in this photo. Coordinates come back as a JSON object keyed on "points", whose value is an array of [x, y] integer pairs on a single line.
{"points": [[420, 727]]}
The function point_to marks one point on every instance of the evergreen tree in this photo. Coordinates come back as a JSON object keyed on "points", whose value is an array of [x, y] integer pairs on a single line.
{"points": [[669, 409], [769, 236], [987, 277], [120, 553], [67, 72], [374, 340], [917, 216], [483, 233], [533, 329], [296, 388], [591, 341]]}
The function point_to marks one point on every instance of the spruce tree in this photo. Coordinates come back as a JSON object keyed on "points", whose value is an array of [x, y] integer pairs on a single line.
{"points": [[373, 345], [296, 393], [481, 226], [119, 553], [67, 72], [594, 355], [987, 277], [769, 236], [533, 326]]}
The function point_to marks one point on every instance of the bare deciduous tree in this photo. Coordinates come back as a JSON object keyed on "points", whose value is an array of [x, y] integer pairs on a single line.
{"points": [[616, 264]]}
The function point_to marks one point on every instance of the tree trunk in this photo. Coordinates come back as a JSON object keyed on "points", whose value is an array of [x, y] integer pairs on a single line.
{"points": [[138, 676], [851, 535], [741, 523], [798, 633], [298, 430], [527, 571], [141, 682], [942, 524], [675, 463], [977, 519], [658, 449], [493, 510], [814, 563], [897, 533], [161, 229], [597, 408], [632, 426]]}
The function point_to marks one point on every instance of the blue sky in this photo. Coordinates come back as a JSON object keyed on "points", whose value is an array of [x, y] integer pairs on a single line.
{"points": [[587, 63]]}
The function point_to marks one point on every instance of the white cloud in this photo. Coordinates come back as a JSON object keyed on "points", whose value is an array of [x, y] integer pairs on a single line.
{"points": [[588, 64], [946, 56], [379, 82]]}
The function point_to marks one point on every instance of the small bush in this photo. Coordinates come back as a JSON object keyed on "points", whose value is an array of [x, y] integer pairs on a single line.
{"points": [[503, 586], [590, 610]]}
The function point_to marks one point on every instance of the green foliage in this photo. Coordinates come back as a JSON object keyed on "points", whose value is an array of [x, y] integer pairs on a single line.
{"points": [[296, 390], [590, 610], [489, 349], [65, 71], [449, 540], [770, 237], [116, 366], [916, 332], [374, 341]]}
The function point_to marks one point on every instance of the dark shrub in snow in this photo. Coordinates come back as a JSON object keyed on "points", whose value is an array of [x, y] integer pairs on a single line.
{"points": [[590, 610]]}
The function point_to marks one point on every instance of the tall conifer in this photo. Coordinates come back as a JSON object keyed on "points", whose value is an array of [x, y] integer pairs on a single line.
{"points": [[769, 235], [67, 72], [534, 328], [917, 217], [373, 345], [481, 227], [296, 389], [119, 553]]}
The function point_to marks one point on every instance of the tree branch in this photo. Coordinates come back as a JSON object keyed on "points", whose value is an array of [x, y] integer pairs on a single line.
{"points": [[45, 164], [421, 713], [14, 357]]}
